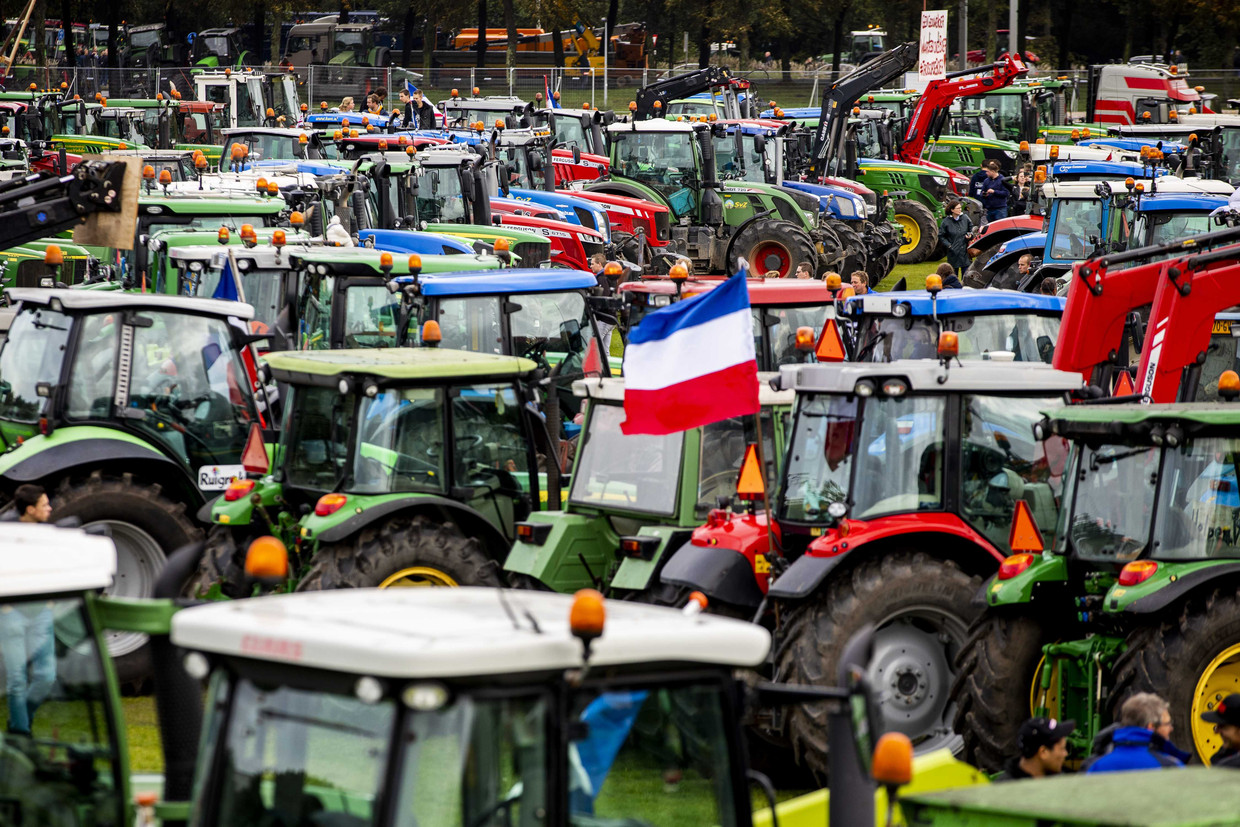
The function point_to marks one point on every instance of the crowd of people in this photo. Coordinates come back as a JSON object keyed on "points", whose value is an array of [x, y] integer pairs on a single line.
{"points": [[1140, 740]]}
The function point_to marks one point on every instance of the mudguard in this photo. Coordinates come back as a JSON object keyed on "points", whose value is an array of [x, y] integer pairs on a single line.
{"points": [[719, 573], [575, 542], [471, 521], [638, 574], [66, 448], [802, 577], [1170, 584]]}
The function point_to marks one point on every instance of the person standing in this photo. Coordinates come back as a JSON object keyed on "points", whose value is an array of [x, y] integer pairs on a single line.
{"points": [[1142, 740], [1226, 719], [1043, 746], [955, 232], [419, 114], [1021, 190], [27, 638], [994, 193]]}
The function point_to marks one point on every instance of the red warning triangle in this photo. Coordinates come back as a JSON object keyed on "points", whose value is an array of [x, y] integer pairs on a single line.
{"points": [[592, 365], [1123, 385], [830, 344], [1024, 535], [751, 485], [254, 456]]}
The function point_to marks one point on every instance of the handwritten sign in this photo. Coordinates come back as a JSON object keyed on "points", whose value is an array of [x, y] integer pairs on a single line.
{"points": [[932, 64]]}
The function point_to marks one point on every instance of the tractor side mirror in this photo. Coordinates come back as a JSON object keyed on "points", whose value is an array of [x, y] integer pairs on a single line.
{"points": [[576, 154]]}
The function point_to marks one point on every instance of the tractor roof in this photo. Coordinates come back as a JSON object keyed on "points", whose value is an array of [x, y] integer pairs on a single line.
{"points": [[360, 261], [761, 291], [955, 301], [504, 282], [214, 201], [99, 300], [929, 376], [458, 633], [44, 559], [1137, 418], [655, 125], [303, 367], [611, 389], [1181, 201]]}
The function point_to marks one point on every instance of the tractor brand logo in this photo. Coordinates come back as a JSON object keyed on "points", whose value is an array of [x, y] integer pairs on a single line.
{"points": [[271, 647], [736, 205], [217, 477]]}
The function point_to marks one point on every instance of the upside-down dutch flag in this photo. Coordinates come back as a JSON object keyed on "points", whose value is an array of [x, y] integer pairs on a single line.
{"points": [[692, 363]]}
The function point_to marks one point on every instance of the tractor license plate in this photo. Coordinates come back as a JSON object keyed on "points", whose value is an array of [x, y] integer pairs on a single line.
{"points": [[217, 477]]}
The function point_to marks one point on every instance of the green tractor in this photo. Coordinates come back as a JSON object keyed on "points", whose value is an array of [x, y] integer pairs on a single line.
{"points": [[715, 223], [217, 48], [953, 141], [131, 410], [395, 467], [633, 498], [1140, 591]]}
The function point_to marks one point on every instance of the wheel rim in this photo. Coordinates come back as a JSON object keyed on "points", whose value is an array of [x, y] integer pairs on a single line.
{"points": [[139, 560], [911, 231], [771, 255], [1217, 681], [418, 577], [914, 650]]}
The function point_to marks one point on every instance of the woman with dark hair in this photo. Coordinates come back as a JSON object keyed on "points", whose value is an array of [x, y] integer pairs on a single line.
{"points": [[955, 232]]}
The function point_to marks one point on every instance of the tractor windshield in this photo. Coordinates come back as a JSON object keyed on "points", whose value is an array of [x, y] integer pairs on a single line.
{"points": [[294, 756], [1222, 354], [141, 40], [775, 332], [745, 165], [263, 147], [315, 437], [663, 160], [369, 316], [1027, 337], [1198, 501], [1113, 501], [30, 359], [569, 133], [1163, 227], [438, 195], [891, 454], [1076, 222], [263, 290], [400, 443], [722, 452], [550, 328], [60, 755], [614, 470]]}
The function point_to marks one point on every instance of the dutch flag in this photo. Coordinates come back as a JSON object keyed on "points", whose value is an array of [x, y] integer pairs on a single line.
{"points": [[692, 363]]}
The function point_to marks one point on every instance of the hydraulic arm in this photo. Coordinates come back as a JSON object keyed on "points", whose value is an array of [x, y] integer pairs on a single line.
{"points": [[838, 99], [43, 204], [675, 88], [933, 104]]}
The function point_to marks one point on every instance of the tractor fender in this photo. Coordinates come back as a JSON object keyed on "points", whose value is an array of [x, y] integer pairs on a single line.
{"points": [[945, 534], [470, 521], [1185, 584], [719, 573], [62, 458]]}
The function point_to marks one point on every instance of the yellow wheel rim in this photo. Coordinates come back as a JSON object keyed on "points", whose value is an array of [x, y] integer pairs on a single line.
{"points": [[418, 577], [1217, 681], [912, 231], [1051, 699]]}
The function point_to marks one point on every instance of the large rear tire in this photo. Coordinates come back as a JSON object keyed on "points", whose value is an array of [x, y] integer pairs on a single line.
{"points": [[400, 552], [222, 562], [146, 527], [883, 253], [1191, 659], [772, 245], [855, 254], [920, 232], [921, 607], [977, 275], [994, 676]]}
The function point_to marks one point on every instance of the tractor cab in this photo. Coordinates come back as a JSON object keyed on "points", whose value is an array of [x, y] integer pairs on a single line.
{"points": [[1134, 591], [908, 472], [215, 48], [635, 498], [248, 95], [433, 454], [463, 113], [999, 325], [580, 128], [579, 733], [255, 145], [151, 46]]}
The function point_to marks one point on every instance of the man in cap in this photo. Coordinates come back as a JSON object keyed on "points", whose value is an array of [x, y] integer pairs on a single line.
{"points": [[1226, 720], [1043, 745]]}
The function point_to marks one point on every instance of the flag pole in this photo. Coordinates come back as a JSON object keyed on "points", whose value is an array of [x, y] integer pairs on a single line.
{"points": [[236, 274], [766, 490]]}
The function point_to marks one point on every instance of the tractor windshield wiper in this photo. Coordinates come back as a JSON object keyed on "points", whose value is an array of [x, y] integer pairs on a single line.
{"points": [[1095, 460]]}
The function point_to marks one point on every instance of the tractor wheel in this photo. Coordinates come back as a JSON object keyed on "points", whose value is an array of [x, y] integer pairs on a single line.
{"points": [[921, 234], [883, 253], [999, 661], [526, 582], [223, 562], [977, 275], [402, 552], [921, 607], [146, 527], [1192, 659], [771, 245], [855, 256]]}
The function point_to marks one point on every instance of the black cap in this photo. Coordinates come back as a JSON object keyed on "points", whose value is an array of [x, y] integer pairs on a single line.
{"points": [[1227, 712], [1045, 732]]}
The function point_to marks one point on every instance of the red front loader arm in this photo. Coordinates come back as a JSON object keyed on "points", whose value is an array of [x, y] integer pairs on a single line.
{"points": [[1190, 292], [940, 94], [1100, 299]]}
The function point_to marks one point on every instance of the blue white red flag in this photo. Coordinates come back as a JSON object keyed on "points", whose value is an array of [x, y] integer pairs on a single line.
{"points": [[692, 363]]}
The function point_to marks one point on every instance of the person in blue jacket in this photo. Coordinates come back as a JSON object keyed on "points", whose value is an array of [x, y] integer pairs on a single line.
{"points": [[1143, 739], [988, 187]]}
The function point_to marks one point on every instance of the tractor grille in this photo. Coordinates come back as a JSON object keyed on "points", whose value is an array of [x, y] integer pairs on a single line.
{"points": [[591, 246], [531, 253], [663, 225]]}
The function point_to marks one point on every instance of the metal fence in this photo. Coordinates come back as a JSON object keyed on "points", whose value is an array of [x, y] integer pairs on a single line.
{"points": [[612, 89]]}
